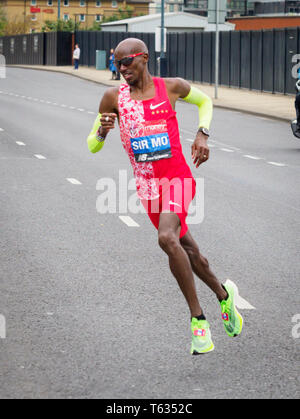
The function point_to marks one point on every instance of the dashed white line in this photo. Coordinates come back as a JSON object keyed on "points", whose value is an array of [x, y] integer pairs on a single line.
{"points": [[248, 156], [20, 143], [74, 181], [128, 221], [274, 163], [227, 150], [39, 156], [80, 110], [1, 129]]}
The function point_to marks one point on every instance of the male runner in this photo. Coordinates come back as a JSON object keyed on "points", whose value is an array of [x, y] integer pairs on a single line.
{"points": [[145, 108]]}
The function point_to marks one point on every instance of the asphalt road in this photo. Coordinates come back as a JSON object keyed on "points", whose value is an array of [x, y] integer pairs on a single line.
{"points": [[91, 308]]}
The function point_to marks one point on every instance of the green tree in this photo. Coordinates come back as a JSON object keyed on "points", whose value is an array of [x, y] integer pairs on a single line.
{"points": [[3, 21], [60, 26]]}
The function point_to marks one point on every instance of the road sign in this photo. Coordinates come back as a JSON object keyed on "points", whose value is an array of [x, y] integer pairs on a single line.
{"points": [[212, 14]]}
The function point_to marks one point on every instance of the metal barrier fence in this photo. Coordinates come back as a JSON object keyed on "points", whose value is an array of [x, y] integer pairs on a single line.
{"points": [[53, 48], [256, 60]]}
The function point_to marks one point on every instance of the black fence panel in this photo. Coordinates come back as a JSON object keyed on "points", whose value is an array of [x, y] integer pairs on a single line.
{"points": [[152, 55], [279, 60], [225, 58], [197, 57], [64, 52], [172, 54], [246, 59], [189, 57], [291, 51], [213, 57], [99, 41], [206, 57], [51, 48], [268, 61], [92, 48], [181, 55], [235, 59], [256, 61]]}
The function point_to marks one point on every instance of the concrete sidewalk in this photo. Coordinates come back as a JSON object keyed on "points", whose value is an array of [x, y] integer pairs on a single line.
{"points": [[264, 104]]}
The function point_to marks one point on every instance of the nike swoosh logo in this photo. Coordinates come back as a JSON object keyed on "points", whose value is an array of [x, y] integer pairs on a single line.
{"points": [[152, 107], [174, 203]]}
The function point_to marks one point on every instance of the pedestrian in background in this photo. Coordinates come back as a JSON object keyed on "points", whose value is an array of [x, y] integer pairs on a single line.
{"points": [[295, 124], [112, 66], [76, 56]]}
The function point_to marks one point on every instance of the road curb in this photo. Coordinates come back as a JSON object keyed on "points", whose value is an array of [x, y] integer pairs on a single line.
{"points": [[216, 105]]}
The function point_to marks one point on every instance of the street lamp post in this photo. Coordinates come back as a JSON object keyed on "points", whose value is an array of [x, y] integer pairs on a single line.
{"points": [[58, 9], [163, 60], [217, 50]]}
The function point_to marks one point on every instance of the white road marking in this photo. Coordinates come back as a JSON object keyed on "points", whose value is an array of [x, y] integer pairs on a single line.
{"points": [[252, 157], [91, 112], [74, 181], [227, 150], [128, 221], [39, 156], [240, 302], [274, 163], [80, 109], [1, 129], [20, 143], [189, 139]]}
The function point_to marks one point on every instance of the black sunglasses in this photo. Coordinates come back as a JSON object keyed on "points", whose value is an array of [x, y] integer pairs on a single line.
{"points": [[127, 61]]}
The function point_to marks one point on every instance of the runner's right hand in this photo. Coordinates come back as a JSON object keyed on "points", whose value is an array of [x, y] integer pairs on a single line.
{"points": [[107, 123]]}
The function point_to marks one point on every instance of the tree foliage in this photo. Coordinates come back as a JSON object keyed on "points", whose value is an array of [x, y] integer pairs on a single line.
{"points": [[60, 26]]}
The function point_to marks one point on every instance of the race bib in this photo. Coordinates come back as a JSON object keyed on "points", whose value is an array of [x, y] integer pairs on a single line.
{"points": [[150, 141]]}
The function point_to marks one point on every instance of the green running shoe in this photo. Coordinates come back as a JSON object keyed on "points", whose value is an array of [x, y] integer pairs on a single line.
{"points": [[201, 340], [232, 320]]}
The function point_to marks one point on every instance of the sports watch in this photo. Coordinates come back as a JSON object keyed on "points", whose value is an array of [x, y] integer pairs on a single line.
{"points": [[204, 130]]}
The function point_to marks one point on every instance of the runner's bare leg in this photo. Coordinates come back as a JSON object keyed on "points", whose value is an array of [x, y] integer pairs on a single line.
{"points": [[180, 265], [200, 266]]}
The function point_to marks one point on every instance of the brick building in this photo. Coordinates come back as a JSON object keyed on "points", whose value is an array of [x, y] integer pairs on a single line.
{"points": [[84, 11]]}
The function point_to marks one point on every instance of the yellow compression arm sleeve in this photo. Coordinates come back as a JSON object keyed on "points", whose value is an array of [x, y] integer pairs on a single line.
{"points": [[93, 144], [205, 106]]}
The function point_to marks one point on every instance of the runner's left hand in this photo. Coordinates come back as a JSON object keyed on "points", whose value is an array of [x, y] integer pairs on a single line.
{"points": [[200, 150]]}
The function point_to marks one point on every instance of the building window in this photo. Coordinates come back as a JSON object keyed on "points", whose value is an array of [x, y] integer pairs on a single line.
{"points": [[66, 3], [98, 18], [50, 3], [82, 18], [82, 3], [114, 3], [33, 2], [98, 3], [66, 17], [33, 17]]}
